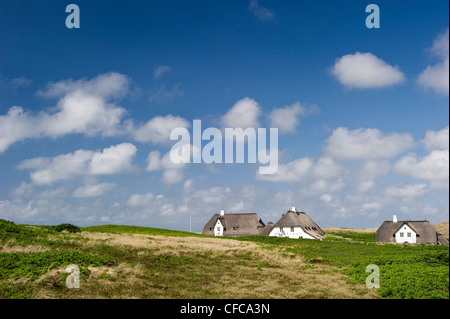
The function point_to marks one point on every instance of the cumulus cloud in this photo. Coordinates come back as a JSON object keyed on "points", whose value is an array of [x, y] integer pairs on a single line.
{"points": [[365, 70], [106, 85], [434, 167], [362, 144], [243, 114], [137, 200], [112, 160], [84, 107], [16, 126], [286, 119], [157, 130], [46, 171], [412, 190], [437, 140], [436, 77], [326, 167], [93, 190], [304, 169], [172, 172]]}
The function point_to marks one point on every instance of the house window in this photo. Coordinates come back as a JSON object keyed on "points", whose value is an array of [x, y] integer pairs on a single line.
{"points": [[408, 234], [218, 228], [401, 234], [292, 229], [281, 228], [235, 228]]}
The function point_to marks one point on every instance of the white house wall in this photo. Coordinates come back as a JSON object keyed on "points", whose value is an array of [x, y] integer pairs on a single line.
{"points": [[218, 228], [405, 235], [297, 232]]}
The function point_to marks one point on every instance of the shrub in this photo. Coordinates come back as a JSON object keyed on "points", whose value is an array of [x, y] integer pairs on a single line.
{"points": [[69, 227]]}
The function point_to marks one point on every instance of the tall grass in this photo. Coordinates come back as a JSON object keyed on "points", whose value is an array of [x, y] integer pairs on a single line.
{"points": [[406, 271], [120, 229]]}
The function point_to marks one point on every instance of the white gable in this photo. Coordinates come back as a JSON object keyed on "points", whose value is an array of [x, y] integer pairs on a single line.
{"points": [[218, 228], [405, 234]]}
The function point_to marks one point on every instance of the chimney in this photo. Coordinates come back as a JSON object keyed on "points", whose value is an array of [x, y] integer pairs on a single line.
{"points": [[222, 212], [293, 209], [394, 218]]}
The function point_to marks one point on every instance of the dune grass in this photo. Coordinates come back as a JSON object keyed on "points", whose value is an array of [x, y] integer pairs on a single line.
{"points": [[121, 229], [140, 262]]}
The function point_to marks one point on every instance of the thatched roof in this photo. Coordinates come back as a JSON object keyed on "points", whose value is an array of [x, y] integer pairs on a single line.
{"points": [[266, 230], [425, 231], [300, 219], [244, 224]]}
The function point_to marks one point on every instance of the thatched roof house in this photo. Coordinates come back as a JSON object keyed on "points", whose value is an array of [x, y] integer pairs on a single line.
{"points": [[295, 224], [421, 231], [244, 224]]}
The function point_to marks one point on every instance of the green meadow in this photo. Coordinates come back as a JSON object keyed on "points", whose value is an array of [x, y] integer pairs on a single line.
{"points": [[140, 262]]}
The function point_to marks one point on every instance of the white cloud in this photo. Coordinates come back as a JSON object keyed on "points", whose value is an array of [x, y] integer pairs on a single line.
{"points": [[326, 167], [325, 186], [161, 70], [137, 200], [437, 140], [84, 107], [293, 171], [286, 119], [172, 176], [436, 76], [412, 190], [47, 171], [362, 144], [172, 172], [365, 70], [260, 12], [105, 85], [373, 168], [304, 170], [112, 160], [157, 130], [93, 190], [16, 126], [243, 114], [434, 167]]}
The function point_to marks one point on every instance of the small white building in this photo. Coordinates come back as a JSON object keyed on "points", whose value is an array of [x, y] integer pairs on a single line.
{"points": [[405, 234], [239, 224], [295, 224], [409, 231]]}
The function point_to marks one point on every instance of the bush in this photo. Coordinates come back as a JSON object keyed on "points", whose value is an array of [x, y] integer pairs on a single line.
{"points": [[69, 227]]}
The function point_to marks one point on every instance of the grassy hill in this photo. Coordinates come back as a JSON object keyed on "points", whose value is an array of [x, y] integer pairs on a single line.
{"points": [[141, 262]]}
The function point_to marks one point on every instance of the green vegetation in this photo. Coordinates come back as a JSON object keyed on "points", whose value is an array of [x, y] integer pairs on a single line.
{"points": [[119, 229], [406, 271], [33, 260], [67, 227]]}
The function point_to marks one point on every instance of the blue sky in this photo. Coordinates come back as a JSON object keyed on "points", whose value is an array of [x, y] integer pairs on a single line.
{"points": [[85, 114]]}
